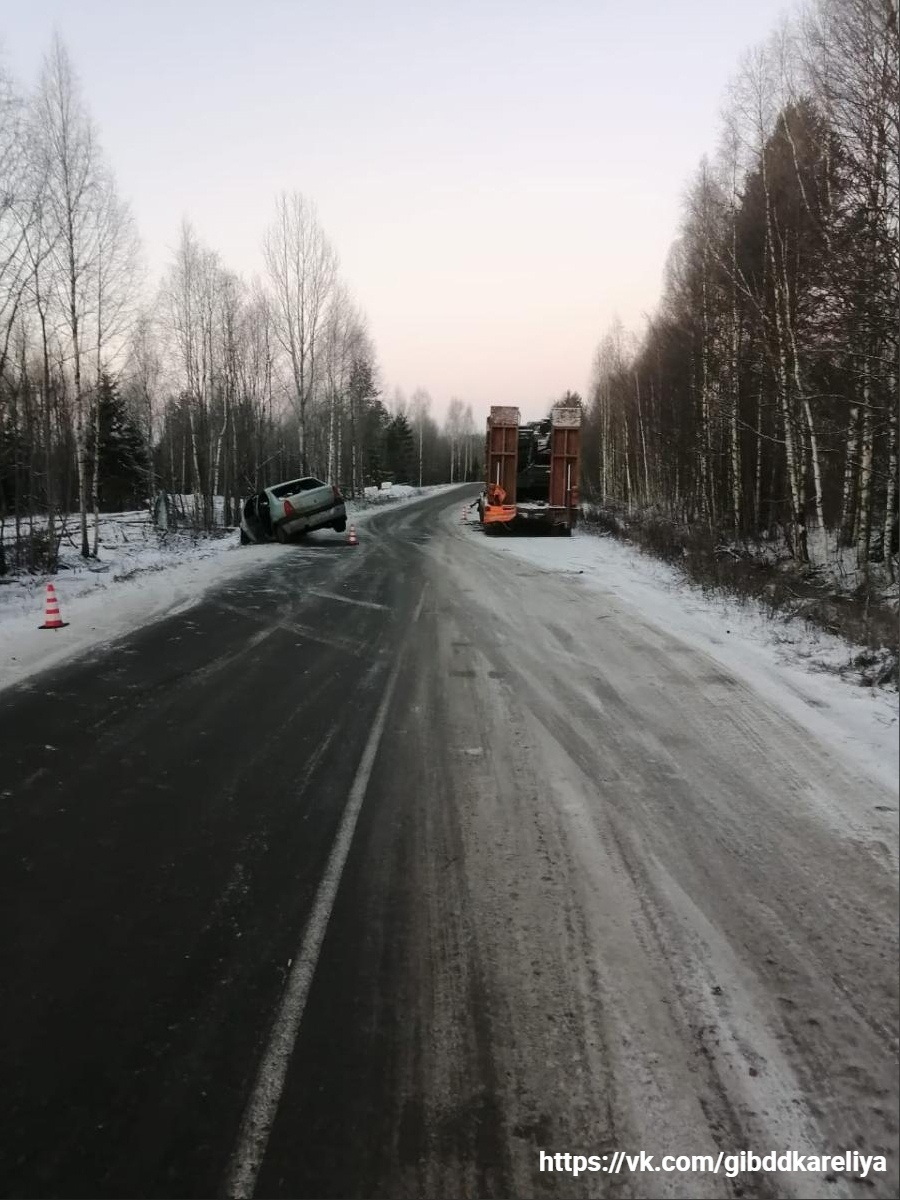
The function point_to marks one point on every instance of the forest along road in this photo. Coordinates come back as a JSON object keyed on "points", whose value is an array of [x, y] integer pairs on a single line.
{"points": [[388, 867]]}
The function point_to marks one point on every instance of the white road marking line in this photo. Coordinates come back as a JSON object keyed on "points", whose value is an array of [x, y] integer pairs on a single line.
{"points": [[262, 1104], [346, 599]]}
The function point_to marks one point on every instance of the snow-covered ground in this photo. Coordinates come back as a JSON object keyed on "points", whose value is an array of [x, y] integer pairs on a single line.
{"points": [[794, 665], [832, 561], [154, 576]]}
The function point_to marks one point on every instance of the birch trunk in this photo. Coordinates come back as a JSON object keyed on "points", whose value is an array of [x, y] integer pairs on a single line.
{"points": [[848, 495], [807, 409], [816, 465], [48, 435], [637, 392], [197, 486], [798, 516], [703, 440], [757, 483], [80, 424], [95, 481], [864, 533], [890, 498], [331, 433], [734, 427]]}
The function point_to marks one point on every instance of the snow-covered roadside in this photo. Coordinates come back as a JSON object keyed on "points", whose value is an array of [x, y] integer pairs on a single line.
{"points": [[794, 666], [99, 613], [138, 579], [400, 493]]}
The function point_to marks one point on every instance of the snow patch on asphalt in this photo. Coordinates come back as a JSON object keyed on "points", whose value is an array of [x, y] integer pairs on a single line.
{"points": [[789, 662]]}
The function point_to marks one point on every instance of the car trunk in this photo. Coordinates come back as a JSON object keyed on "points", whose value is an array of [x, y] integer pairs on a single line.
{"points": [[295, 503]]}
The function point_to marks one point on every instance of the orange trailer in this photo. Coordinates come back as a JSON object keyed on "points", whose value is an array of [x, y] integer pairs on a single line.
{"points": [[532, 471], [501, 457]]}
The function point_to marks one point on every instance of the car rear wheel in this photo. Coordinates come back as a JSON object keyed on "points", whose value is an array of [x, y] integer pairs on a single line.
{"points": [[339, 526], [245, 541], [281, 535]]}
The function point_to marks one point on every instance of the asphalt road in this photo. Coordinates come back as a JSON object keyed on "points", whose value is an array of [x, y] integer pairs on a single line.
{"points": [[388, 867]]}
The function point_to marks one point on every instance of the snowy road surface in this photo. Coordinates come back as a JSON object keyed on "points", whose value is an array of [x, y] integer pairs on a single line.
{"points": [[386, 868]]}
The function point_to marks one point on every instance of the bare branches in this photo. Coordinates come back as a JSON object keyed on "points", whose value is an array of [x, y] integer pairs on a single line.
{"points": [[768, 380], [302, 269], [215, 384]]}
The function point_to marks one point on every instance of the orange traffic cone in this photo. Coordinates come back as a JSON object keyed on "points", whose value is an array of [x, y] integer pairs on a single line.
{"points": [[465, 516], [52, 618], [351, 537]]}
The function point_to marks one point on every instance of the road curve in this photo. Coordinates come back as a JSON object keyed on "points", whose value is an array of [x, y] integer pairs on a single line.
{"points": [[389, 867]]}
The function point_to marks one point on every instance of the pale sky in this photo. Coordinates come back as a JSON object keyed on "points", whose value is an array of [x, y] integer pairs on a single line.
{"points": [[500, 179]]}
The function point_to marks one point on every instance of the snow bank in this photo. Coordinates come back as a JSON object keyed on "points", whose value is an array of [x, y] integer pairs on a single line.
{"points": [[794, 666], [394, 492]]}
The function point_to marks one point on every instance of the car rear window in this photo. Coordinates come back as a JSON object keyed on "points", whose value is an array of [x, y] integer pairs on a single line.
{"points": [[295, 486]]}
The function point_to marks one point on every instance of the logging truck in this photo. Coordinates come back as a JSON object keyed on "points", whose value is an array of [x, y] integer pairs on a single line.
{"points": [[531, 471]]}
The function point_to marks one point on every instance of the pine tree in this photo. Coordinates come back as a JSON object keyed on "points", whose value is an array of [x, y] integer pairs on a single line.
{"points": [[400, 449], [123, 452], [375, 423]]}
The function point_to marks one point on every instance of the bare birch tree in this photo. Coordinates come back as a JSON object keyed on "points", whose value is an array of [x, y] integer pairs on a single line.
{"points": [[19, 190], [420, 404], [72, 175], [112, 282], [302, 269]]}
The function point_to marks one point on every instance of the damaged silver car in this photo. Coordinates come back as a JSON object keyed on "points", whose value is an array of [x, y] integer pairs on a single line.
{"points": [[290, 510]]}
